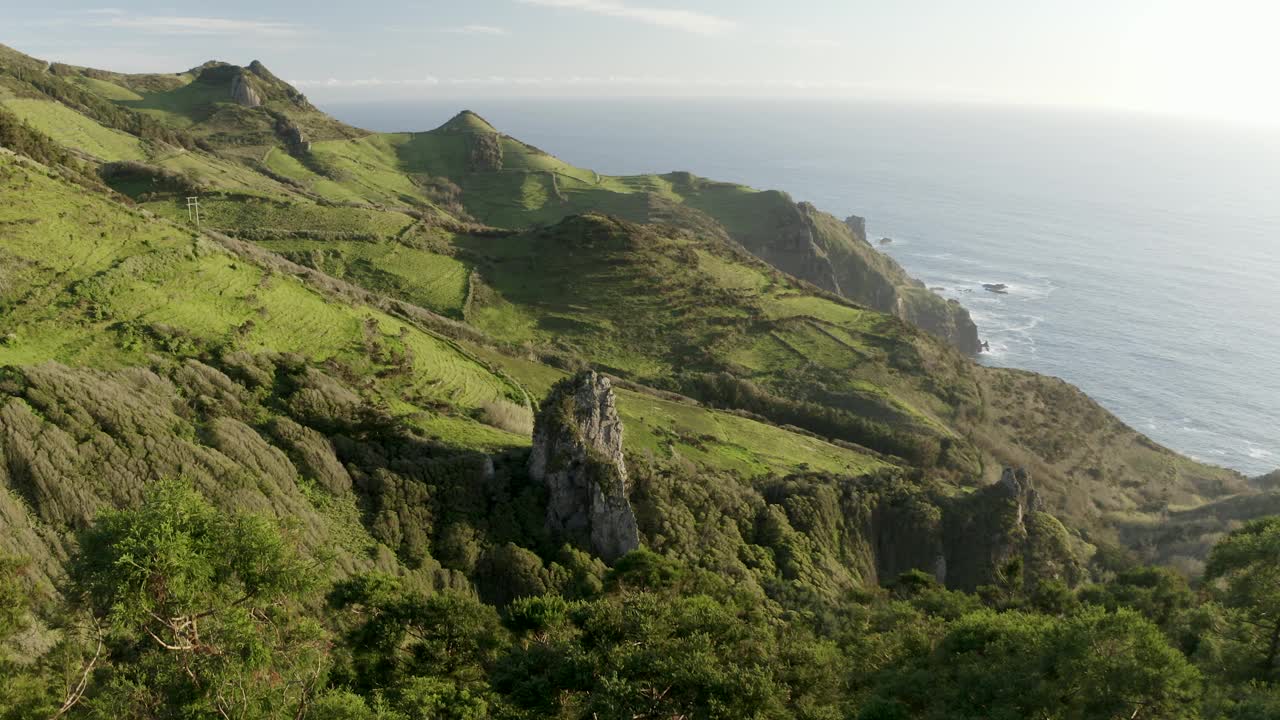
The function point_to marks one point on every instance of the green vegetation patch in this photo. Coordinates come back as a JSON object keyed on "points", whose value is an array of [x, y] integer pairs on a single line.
{"points": [[74, 130], [116, 286], [266, 216]]}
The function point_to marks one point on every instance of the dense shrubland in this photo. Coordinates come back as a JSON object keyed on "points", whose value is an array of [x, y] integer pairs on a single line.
{"points": [[175, 609]]}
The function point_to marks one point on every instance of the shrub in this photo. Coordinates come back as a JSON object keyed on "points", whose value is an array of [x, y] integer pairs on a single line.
{"points": [[506, 415]]}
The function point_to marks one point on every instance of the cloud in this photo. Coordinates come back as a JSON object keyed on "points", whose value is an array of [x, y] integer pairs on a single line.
{"points": [[426, 80], [805, 40], [187, 25], [566, 81], [104, 11], [477, 30], [684, 20]]}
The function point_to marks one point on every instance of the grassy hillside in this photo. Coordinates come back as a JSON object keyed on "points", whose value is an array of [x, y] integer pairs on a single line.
{"points": [[279, 465], [680, 311], [134, 350], [695, 304], [471, 170]]}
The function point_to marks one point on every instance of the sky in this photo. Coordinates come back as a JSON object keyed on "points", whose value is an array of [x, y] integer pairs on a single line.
{"points": [[1216, 59]]}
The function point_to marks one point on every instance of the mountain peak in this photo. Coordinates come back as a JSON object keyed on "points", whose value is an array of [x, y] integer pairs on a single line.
{"points": [[467, 122]]}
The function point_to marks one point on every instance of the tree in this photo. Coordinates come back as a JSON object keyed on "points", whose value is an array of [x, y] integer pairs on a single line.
{"points": [[201, 609], [425, 655], [649, 655], [1014, 665], [1160, 594], [1118, 665], [1245, 562]]}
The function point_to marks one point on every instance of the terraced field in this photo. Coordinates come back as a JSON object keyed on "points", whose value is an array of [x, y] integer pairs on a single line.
{"points": [[431, 280], [668, 429], [265, 214], [143, 286], [138, 286]]}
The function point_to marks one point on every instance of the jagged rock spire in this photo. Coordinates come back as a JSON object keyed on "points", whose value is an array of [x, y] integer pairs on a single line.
{"points": [[577, 453]]}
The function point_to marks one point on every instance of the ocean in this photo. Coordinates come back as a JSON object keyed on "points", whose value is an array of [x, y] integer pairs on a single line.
{"points": [[1141, 255]]}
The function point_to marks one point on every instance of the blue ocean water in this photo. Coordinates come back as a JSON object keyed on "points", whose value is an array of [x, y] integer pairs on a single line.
{"points": [[1141, 255]]}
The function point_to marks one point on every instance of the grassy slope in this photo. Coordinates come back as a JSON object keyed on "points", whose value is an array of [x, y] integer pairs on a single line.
{"points": [[1112, 477], [74, 130], [647, 306], [650, 305], [532, 187], [98, 297], [95, 296]]}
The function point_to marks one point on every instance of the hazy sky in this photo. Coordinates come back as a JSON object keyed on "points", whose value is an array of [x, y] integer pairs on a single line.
{"points": [[1180, 56]]}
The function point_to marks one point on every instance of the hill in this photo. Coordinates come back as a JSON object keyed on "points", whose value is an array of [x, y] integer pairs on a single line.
{"points": [[741, 299], [127, 304], [436, 425]]}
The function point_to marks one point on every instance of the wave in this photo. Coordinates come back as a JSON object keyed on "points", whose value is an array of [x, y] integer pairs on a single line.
{"points": [[1257, 453]]}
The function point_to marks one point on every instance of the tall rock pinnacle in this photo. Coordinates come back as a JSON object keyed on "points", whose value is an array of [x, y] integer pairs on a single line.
{"points": [[577, 453]]}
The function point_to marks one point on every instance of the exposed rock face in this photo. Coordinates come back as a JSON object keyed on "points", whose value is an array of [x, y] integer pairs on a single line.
{"points": [[857, 225], [243, 93], [795, 249], [289, 132], [880, 528], [577, 453], [836, 256], [941, 317], [1001, 527], [1016, 484]]}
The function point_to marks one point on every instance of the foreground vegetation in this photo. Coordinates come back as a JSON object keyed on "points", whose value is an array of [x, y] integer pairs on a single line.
{"points": [[177, 610]]}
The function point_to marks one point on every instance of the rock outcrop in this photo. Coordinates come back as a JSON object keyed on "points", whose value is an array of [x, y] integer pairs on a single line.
{"points": [[795, 248], [803, 241], [577, 454], [876, 529], [1001, 529], [857, 225], [291, 134], [1270, 481], [243, 93]]}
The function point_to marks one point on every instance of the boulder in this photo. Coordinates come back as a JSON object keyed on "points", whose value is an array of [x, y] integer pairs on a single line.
{"points": [[577, 455]]}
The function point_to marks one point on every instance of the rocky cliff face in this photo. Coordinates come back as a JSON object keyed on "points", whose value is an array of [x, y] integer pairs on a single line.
{"points": [[577, 454], [243, 93], [869, 531], [803, 241], [1001, 529], [794, 249], [1270, 481], [995, 536], [884, 285]]}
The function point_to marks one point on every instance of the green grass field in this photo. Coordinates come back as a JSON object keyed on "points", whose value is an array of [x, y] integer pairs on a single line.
{"points": [[667, 429], [264, 214], [431, 280], [106, 89], [117, 286], [181, 107], [74, 130], [144, 274]]}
